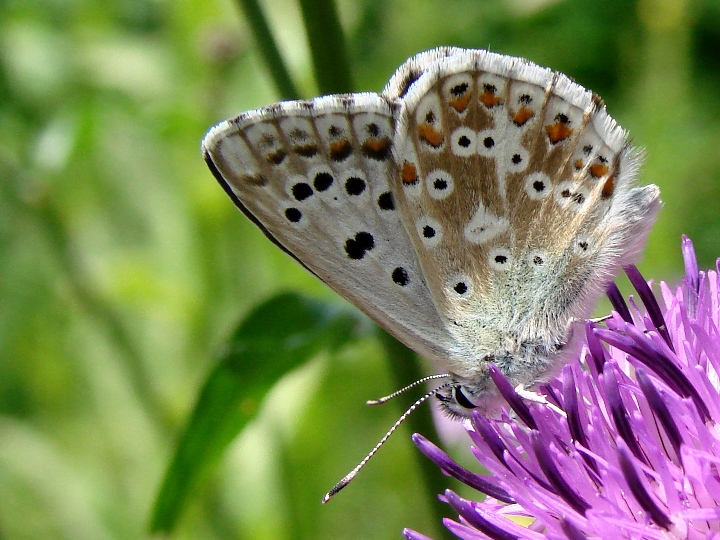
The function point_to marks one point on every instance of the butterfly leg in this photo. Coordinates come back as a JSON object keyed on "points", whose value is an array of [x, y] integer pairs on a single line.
{"points": [[596, 320]]}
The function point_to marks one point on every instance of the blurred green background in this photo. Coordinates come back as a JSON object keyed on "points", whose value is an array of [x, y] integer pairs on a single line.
{"points": [[124, 268]]}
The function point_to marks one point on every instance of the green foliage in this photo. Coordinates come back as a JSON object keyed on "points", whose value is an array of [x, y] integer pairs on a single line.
{"points": [[277, 337], [123, 267]]}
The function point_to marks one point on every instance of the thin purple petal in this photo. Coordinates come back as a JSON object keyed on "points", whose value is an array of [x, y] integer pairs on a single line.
{"points": [[475, 481], [474, 518], [642, 496], [508, 393], [409, 534], [649, 301], [667, 368], [659, 409], [571, 407], [638, 346], [618, 302], [573, 414], [547, 464], [692, 272], [483, 428], [597, 351], [549, 392], [463, 531], [571, 530], [620, 414]]}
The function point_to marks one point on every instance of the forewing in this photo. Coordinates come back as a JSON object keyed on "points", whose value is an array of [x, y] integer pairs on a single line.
{"points": [[516, 188], [314, 176]]}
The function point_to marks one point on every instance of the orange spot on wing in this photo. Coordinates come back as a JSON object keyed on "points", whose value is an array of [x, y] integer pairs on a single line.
{"points": [[430, 135], [489, 99], [559, 131], [608, 188], [598, 170], [460, 103], [378, 144], [523, 115], [340, 149], [579, 164], [377, 147], [408, 173]]}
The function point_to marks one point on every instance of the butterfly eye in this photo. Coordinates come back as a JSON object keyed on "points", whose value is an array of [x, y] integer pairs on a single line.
{"points": [[461, 399]]}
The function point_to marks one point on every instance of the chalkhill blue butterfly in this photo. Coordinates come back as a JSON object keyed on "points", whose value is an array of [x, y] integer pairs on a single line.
{"points": [[475, 208]]}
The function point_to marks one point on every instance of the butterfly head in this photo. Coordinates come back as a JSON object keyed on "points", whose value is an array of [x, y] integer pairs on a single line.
{"points": [[459, 398], [454, 400], [524, 363]]}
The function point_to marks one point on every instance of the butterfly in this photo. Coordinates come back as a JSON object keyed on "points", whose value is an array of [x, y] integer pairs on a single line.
{"points": [[475, 208]]}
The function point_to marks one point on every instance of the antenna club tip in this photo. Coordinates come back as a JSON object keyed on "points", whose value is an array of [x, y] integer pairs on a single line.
{"points": [[340, 485], [336, 488], [372, 402]]}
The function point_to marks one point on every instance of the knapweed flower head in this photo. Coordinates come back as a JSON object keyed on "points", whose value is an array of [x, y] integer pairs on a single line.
{"points": [[627, 441]]}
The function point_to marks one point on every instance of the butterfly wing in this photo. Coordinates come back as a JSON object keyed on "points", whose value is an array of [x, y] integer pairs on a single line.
{"points": [[517, 192], [315, 177], [480, 200]]}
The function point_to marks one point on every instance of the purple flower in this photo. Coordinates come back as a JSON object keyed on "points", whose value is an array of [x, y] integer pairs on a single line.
{"points": [[627, 441]]}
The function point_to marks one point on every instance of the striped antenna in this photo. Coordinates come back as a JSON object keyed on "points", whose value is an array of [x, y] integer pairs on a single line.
{"points": [[349, 476], [408, 387]]}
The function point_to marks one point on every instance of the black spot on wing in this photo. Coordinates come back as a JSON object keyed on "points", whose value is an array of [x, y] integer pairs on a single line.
{"points": [[386, 202], [357, 247], [354, 185], [234, 198], [400, 276], [302, 191], [460, 287], [323, 181], [293, 214]]}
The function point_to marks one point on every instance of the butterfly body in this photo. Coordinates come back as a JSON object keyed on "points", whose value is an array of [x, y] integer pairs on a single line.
{"points": [[475, 208]]}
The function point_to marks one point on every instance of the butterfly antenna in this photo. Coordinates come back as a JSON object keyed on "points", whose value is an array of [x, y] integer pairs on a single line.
{"points": [[352, 474], [408, 387]]}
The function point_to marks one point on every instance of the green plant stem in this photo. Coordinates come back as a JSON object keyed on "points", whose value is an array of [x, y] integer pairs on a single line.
{"points": [[327, 46], [267, 47], [404, 369]]}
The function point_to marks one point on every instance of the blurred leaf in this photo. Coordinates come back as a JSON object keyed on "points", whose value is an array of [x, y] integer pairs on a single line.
{"points": [[276, 337]]}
